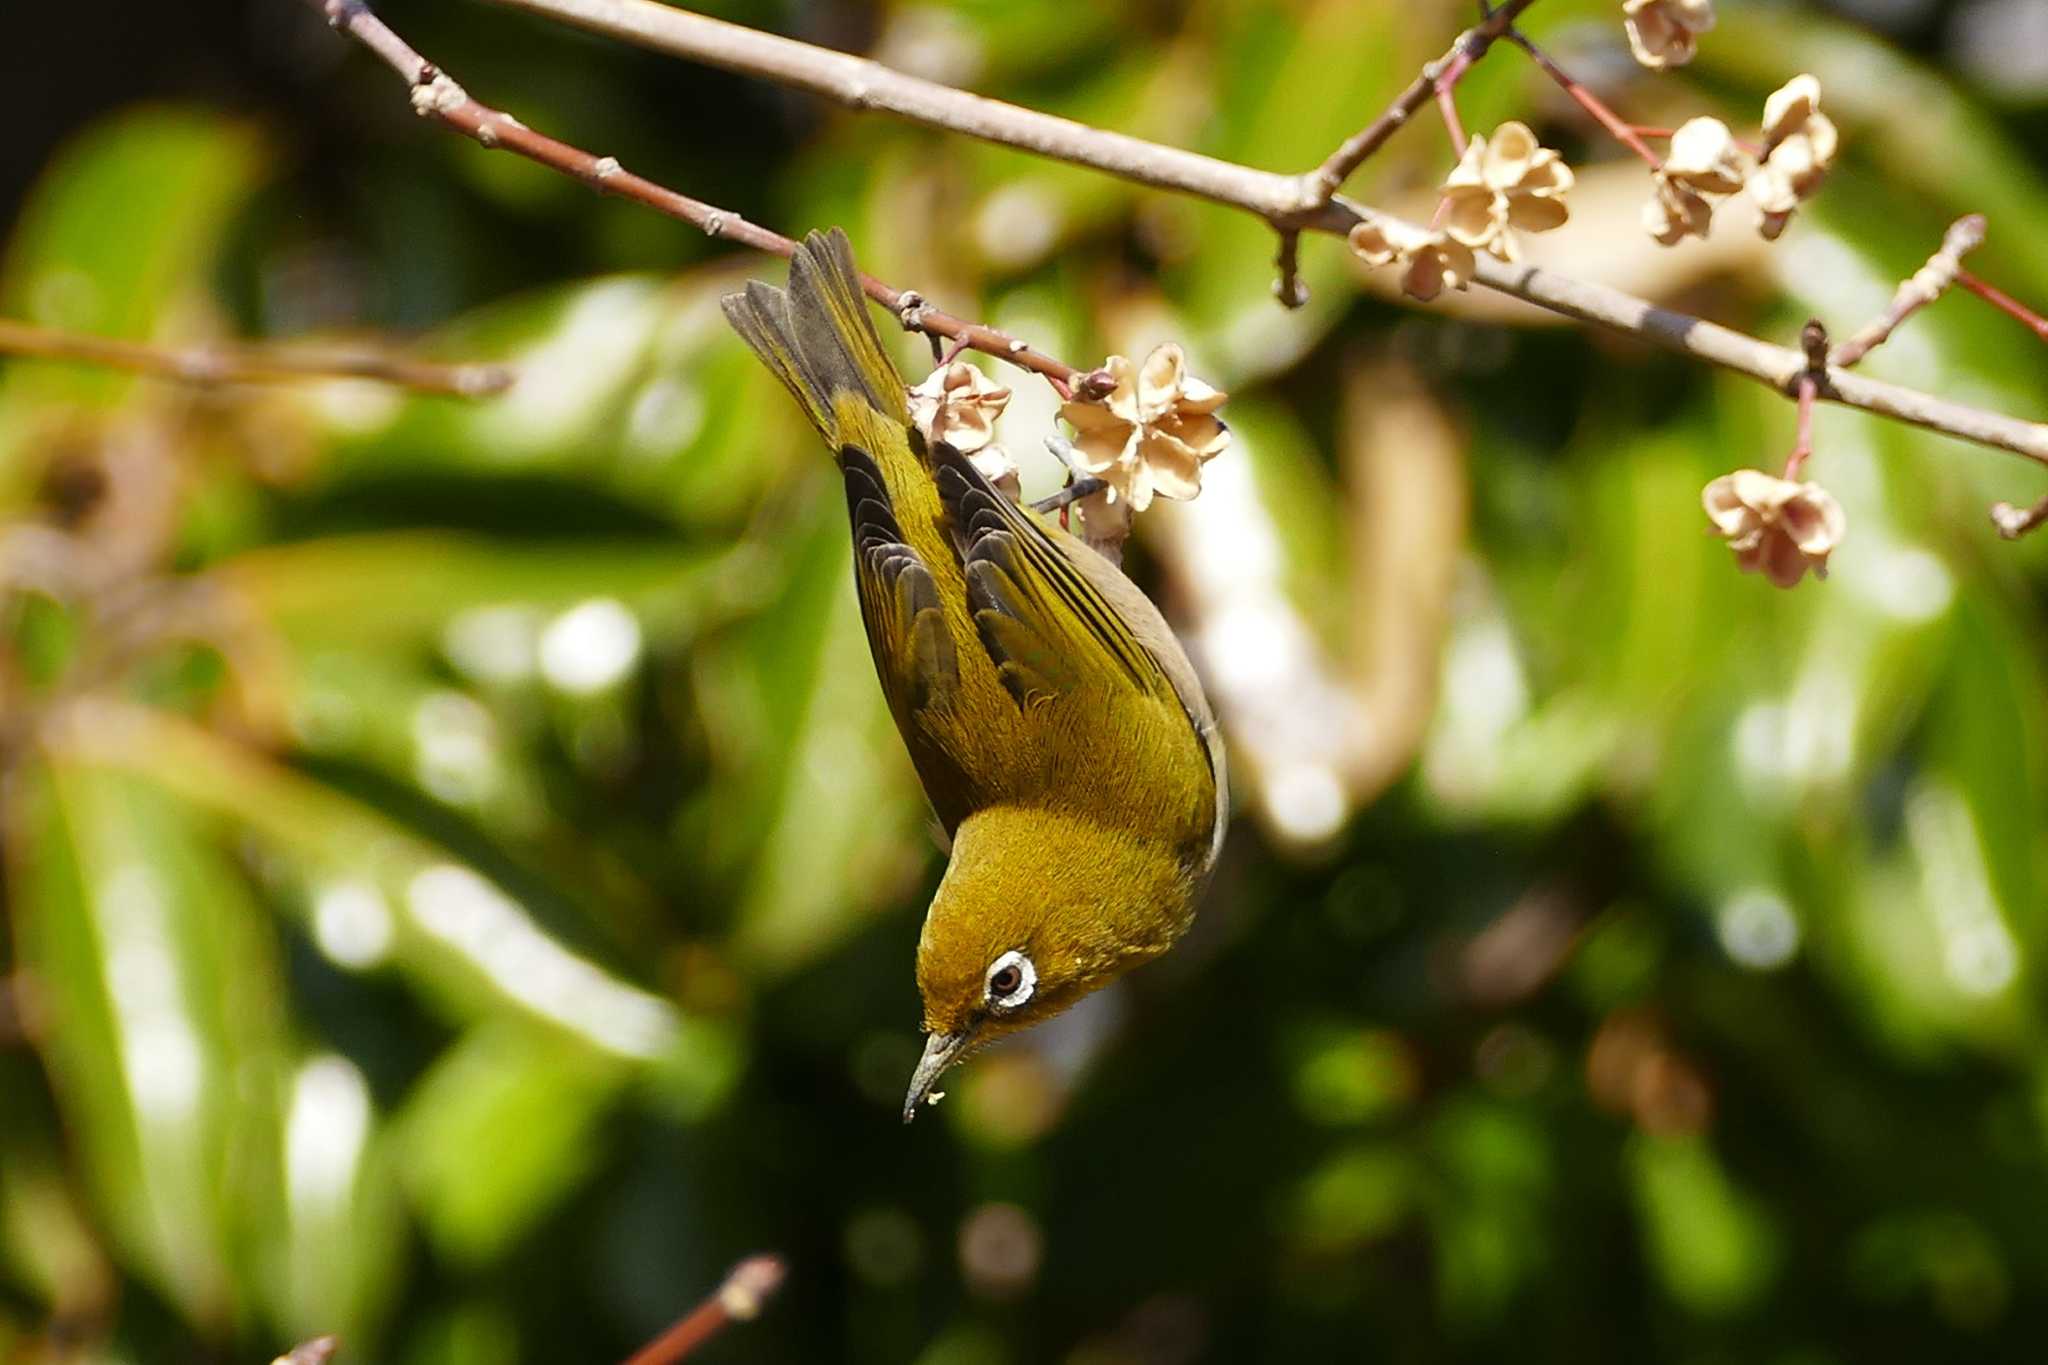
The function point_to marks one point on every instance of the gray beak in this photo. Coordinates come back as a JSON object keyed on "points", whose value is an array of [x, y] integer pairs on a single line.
{"points": [[941, 1050]]}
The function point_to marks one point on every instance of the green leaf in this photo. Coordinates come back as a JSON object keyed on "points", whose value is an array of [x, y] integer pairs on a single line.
{"points": [[121, 227], [164, 993], [499, 1132]]}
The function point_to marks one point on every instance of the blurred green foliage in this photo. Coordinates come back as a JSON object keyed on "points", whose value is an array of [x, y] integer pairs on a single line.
{"points": [[461, 881]]}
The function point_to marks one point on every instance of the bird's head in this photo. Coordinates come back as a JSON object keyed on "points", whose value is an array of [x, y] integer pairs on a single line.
{"points": [[1037, 909]]}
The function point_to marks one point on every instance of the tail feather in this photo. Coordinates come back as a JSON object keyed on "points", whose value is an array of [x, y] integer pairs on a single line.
{"points": [[817, 337]]}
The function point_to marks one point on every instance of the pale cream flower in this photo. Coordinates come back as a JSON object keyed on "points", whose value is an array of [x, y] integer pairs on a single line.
{"points": [[959, 405], [1675, 211], [1152, 433], [1430, 260], [1705, 163], [1799, 145], [1665, 33], [1502, 183], [1776, 527], [1706, 156]]}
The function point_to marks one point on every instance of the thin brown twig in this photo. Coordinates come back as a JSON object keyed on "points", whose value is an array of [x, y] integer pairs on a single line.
{"points": [[1813, 339], [251, 364], [740, 1299], [1802, 445], [1085, 486], [437, 96], [1919, 289], [2004, 303], [318, 1351], [1283, 200], [1287, 286], [1447, 101], [1320, 185], [2013, 522], [1623, 131]]}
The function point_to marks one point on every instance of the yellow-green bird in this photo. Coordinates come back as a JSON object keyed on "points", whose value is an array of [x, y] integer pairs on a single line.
{"points": [[1060, 733]]}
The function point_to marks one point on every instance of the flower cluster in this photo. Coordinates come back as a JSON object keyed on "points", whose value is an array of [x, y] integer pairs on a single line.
{"points": [[1665, 33], [959, 405], [1799, 145], [1707, 164], [1431, 260], [1504, 183], [1775, 527], [1149, 435]]}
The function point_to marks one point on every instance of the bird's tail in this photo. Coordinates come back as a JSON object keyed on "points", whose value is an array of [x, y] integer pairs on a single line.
{"points": [[817, 337]]}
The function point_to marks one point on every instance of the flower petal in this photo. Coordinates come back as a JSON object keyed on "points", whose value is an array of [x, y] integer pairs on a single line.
{"points": [[1533, 214], [1814, 520], [1474, 215], [1508, 154], [1159, 380]]}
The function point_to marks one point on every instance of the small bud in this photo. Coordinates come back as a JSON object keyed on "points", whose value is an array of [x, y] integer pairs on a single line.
{"points": [[1665, 33]]}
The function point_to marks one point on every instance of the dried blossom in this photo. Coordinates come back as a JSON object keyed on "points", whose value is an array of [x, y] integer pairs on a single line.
{"points": [[1776, 527], [1675, 212], [959, 405], [1705, 163], [1430, 260], [1502, 183], [1665, 33], [1151, 433], [1799, 146]]}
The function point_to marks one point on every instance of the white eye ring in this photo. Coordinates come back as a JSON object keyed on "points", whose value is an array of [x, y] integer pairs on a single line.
{"points": [[1020, 991]]}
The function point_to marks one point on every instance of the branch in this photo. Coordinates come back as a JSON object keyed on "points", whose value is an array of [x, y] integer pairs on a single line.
{"points": [[318, 1351], [2004, 303], [740, 1299], [252, 364], [1286, 201], [2013, 522], [1325, 180], [435, 95], [1919, 289]]}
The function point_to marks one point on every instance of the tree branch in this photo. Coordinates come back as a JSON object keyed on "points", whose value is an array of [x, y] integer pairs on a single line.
{"points": [[1326, 179], [1283, 200], [435, 95], [252, 364], [1919, 289]]}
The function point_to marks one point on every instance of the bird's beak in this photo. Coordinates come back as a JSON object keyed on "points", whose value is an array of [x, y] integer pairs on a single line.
{"points": [[941, 1050]]}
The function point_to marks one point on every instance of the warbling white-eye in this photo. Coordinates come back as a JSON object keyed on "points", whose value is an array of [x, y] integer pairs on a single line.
{"points": [[1060, 734]]}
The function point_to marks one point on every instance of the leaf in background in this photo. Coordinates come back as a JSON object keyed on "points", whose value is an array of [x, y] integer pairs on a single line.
{"points": [[163, 992], [1714, 1247], [630, 385], [474, 949], [344, 1248], [120, 230], [379, 590], [791, 701], [498, 1132]]}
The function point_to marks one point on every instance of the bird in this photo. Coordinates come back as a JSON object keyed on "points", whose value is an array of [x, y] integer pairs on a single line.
{"points": [[1060, 733]]}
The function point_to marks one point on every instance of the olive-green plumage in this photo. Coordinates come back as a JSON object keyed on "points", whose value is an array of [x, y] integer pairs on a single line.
{"points": [[1059, 732]]}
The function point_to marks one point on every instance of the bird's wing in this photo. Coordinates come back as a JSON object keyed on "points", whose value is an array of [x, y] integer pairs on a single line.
{"points": [[1060, 621], [1043, 623], [899, 598]]}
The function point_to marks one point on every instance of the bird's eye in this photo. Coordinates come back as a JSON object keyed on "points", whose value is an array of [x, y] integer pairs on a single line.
{"points": [[1011, 979]]}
